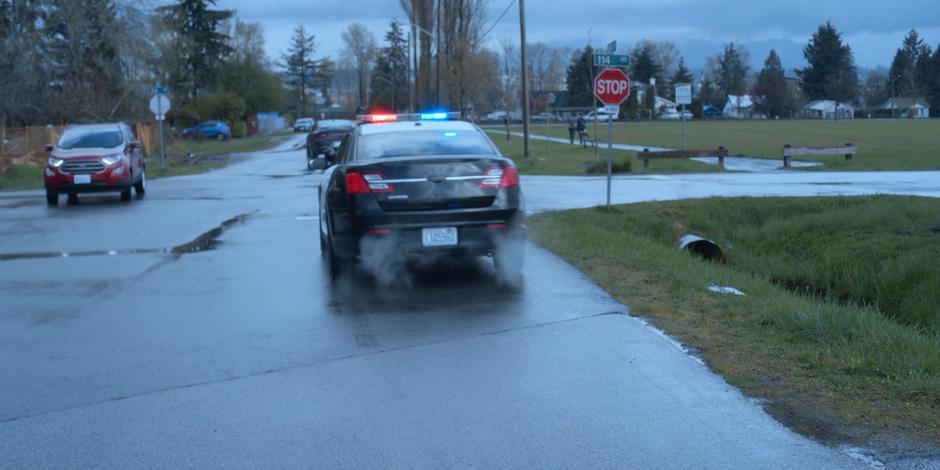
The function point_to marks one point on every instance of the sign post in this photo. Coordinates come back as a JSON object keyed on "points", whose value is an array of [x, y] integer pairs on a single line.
{"points": [[611, 87], [159, 106], [683, 98]]}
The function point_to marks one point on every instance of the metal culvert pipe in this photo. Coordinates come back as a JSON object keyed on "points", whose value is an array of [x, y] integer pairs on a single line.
{"points": [[702, 247]]}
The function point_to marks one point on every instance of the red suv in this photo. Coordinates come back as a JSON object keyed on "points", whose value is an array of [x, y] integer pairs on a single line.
{"points": [[95, 158]]}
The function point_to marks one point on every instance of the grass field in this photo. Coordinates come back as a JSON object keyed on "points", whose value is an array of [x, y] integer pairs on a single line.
{"points": [[840, 327], [883, 144], [550, 158], [210, 154]]}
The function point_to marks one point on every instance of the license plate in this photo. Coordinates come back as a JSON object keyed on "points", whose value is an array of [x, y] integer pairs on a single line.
{"points": [[82, 179], [446, 236]]}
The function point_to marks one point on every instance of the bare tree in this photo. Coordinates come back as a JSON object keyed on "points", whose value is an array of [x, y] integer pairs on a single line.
{"points": [[509, 67], [360, 45]]}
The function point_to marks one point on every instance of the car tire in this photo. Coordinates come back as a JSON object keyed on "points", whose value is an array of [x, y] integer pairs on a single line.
{"points": [[126, 194], [220, 137], [73, 198], [140, 187], [52, 198]]}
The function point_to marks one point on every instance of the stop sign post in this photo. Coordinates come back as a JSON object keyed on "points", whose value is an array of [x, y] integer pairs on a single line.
{"points": [[611, 87]]}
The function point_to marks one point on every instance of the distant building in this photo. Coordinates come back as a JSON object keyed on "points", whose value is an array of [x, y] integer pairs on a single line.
{"points": [[913, 108], [741, 107], [827, 109]]}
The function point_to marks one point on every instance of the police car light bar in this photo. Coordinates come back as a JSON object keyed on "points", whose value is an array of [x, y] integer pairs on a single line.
{"points": [[430, 116]]}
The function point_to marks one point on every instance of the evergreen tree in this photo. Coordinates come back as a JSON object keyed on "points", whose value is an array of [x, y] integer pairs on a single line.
{"points": [[831, 72], [300, 66], [730, 75], [910, 67], [933, 83], [770, 90], [580, 80], [389, 87], [682, 75], [200, 44], [643, 65]]}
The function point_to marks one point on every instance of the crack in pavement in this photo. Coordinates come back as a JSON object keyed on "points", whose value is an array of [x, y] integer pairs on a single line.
{"points": [[203, 242], [4, 420]]}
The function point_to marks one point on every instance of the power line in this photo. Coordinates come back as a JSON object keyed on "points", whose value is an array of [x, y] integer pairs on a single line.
{"points": [[511, 3]]}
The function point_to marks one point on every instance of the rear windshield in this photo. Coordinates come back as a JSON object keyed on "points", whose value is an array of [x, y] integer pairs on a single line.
{"points": [[421, 143], [86, 139], [334, 129]]}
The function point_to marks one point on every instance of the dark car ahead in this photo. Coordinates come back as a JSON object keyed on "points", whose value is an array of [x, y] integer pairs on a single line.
{"points": [[327, 134], [95, 158], [424, 188], [208, 130]]}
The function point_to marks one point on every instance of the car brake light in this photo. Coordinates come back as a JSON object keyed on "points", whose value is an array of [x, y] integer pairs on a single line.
{"points": [[500, 177], [362, 183]]}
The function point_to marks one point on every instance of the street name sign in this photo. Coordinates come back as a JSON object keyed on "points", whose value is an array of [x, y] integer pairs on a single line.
{"points": [[611, 60], [157, 90], [612, 86]]}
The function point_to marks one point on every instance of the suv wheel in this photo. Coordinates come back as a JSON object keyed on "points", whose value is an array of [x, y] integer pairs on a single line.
{"points": [[140, 187], [220, 137], [52, 198], [126, 194]]}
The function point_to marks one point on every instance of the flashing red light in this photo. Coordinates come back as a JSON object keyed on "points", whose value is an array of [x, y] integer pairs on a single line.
{"points": [[382, 117], [497, 226], [380, 231]]}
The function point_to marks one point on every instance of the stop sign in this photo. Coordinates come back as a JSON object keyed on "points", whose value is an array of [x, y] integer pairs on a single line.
{"points": [[611, 86]]}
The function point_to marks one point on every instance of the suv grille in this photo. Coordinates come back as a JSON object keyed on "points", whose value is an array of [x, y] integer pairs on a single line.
{"points": [[82, 167]]}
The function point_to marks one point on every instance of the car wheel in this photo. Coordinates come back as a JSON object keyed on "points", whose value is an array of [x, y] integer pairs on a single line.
{"points": [[126, 194], [220, 137], [73, 198], [140, 187], [52, 198]]}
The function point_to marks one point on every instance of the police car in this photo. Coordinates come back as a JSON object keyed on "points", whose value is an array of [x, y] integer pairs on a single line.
{"points": [[421, 185]]}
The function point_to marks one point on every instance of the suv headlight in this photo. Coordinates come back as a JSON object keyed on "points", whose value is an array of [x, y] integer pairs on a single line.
{"points": [[111, 160], [55, 162]]}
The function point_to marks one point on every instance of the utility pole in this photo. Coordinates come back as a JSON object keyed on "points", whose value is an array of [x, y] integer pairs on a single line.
{"points": [[437, 41], [525, 82], [412, 82]]}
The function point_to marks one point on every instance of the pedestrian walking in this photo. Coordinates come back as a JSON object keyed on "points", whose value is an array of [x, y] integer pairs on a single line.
{"points": [[582, 128], [571, 130]]}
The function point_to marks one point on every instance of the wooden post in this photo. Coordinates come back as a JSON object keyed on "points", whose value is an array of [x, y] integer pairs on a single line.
{"points": [[786, 158], [848, 156]]}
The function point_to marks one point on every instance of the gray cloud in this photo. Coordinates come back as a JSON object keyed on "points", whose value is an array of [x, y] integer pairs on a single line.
{"points": [[874, 29]]}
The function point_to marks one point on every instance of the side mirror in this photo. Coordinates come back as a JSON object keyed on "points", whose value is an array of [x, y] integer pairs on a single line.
{"points": [[330, 156], [49, 147], [133, 145]]}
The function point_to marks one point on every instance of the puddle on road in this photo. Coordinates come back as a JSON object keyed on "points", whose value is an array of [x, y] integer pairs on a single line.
{"points": [[204, 242]]}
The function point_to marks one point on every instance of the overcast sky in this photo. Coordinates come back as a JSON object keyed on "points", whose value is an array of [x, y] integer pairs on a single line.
{"points": [[874, 29]]}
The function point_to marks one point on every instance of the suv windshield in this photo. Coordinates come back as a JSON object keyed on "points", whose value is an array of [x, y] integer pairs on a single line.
{"points": [[85, 139], [421, 143]]}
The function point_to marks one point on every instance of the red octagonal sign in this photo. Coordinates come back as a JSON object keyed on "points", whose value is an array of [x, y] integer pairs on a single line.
{"points": [[611, 86]]}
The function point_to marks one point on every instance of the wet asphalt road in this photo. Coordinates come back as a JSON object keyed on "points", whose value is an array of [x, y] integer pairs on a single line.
{"points": [[118, 351]]}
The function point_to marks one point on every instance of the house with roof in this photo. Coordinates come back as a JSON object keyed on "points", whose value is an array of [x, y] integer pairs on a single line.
{"points": [[742, 107], [907, 107], [827, 109]]}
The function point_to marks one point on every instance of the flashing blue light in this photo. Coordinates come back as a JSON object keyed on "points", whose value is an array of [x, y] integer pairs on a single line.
{"points": [[450, 134], [434, 116]]}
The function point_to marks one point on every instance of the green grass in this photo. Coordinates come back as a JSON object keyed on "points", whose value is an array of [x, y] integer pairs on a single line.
{"points": [[21, 177], [551, 158], [883, 144], [839, 328], [210, 154]]}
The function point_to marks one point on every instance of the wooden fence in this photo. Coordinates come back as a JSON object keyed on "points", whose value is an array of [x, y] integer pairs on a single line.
{"points": [[27, 145]]}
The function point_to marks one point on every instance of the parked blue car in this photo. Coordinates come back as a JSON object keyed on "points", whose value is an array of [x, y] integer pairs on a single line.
{"points": [[208, 130]]}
